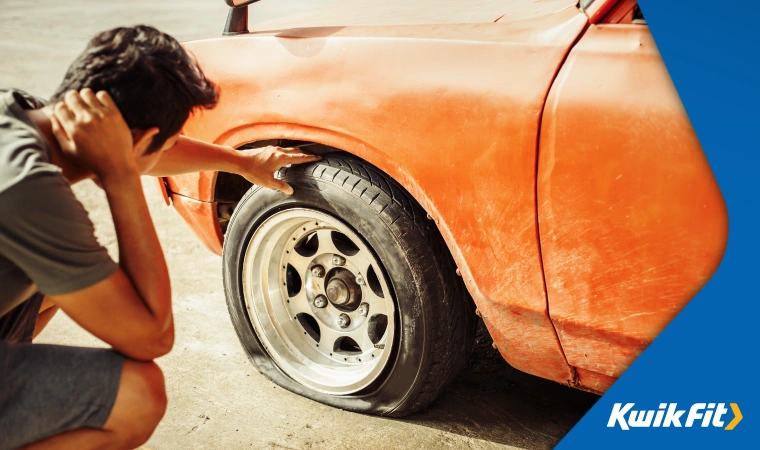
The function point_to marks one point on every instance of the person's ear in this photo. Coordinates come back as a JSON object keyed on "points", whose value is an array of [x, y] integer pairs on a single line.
{"points": [[142, 139]]}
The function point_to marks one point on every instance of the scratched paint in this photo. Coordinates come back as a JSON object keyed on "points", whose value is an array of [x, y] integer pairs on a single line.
{"points": [[632, 221]]}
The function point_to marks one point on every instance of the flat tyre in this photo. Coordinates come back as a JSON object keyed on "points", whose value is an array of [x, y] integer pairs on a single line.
{"points": [[345, 292]]}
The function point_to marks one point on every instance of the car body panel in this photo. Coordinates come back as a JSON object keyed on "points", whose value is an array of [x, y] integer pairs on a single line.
{"points": [[622, 12], [461, 141], [578, 247], [161, 183], [593, 381], [353, 13], [596, 10], [631, 219], [198, 186], [202, 219]]}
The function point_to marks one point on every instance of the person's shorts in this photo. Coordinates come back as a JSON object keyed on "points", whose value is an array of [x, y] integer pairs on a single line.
{"points": [[46, 390]]}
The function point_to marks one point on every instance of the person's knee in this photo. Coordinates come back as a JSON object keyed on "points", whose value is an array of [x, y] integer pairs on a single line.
{"points": [[140, 403], [153, 392]]}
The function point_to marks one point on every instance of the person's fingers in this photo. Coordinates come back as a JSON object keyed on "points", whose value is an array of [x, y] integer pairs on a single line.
{"points": [[65, 142], [64, 116], [90, 99], [59, 132], [105, 99], [75, 103], [282, 187], [300, 158], [274, 183]]}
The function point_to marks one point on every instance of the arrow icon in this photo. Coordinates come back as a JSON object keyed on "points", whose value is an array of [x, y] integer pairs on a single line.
{"points": [[737, 417]]}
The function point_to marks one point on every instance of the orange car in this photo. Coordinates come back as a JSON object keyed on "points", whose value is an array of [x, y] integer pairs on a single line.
{"points": [[528, 161]]}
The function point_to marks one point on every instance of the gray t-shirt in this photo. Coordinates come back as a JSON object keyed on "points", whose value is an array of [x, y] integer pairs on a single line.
{"points": [[47, 241]]}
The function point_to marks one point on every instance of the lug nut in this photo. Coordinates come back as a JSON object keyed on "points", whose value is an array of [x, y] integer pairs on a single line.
{"points": [[359, 280], [320, 301], [338, 260], [344, 321], [364, 309], [318, 271]]}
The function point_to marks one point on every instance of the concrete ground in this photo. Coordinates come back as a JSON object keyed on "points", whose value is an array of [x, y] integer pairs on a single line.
{"points": [[217, 400]]}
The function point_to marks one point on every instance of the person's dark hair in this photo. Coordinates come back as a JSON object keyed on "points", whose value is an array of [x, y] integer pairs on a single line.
{"points": [[150, 77]]}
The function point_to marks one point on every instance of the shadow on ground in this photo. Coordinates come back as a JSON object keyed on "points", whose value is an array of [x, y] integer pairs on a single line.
{"points": [[494, 402]]}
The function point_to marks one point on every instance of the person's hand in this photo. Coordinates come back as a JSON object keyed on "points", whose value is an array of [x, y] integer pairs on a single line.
{"points": [[90, 127], [260, 164]]}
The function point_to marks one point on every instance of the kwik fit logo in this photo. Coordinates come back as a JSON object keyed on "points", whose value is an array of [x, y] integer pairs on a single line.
{"points": [[668, 415]]}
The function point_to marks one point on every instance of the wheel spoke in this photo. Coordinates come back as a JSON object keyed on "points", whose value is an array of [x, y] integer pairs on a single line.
{"points": [[361, 261], [300, 263], [377, 305], [326, 243], [328, 336], [361, 336], [299, 304]]}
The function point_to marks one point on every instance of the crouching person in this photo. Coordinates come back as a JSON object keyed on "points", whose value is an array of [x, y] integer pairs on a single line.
{"points": [[117, 114]]}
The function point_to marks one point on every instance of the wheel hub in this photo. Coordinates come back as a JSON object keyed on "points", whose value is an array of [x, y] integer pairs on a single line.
{"points": [[342, 290], [337, 292]]}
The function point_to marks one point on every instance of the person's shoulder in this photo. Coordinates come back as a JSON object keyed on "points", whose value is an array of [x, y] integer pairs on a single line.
{"points": [[23, 158], [13, 106], [23, 149], [23, 98]]}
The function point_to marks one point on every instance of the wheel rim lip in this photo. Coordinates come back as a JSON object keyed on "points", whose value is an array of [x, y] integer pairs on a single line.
{"points": [[265, 296]]}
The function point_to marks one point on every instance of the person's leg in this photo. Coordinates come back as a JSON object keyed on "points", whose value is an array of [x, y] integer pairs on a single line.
{"points": [[27, 320], [47, 311], [18, 324], [54, 396], [140, 405]]}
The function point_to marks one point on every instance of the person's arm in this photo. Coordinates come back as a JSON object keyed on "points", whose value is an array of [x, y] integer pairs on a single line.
{"points": [[131, 309], [256, 165]]}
